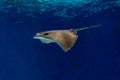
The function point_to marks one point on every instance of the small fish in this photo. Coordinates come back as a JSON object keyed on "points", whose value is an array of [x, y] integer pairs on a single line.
{"points": [[64, 38]]}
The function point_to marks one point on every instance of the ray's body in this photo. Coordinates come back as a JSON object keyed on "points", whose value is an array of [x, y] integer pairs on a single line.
{"points": [[64, 38]]}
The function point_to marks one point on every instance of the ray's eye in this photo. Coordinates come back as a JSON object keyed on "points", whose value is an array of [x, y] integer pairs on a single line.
{"points": [[46, 34]]}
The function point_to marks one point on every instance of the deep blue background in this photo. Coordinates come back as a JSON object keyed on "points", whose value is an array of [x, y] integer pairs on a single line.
{"points": [[95, 55]]}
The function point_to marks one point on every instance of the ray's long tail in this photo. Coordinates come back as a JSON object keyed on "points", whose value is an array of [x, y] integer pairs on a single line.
{"points": [[79, 29]]}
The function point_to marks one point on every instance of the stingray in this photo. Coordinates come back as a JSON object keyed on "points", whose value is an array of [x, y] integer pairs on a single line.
{"points": [[64, 38]]}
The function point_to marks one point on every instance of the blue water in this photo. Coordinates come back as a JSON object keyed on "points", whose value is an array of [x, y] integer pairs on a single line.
{"points": [[95, 55]]}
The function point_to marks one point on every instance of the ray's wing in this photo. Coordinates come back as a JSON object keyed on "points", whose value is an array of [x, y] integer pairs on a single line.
{"points": [[66, 40]]}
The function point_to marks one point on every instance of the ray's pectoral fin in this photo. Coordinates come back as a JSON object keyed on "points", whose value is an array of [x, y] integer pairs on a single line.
{"points": [[66, 42]]}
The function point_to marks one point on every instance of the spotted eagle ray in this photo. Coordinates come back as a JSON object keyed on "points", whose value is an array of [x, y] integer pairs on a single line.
{"points": [[64, 38]]}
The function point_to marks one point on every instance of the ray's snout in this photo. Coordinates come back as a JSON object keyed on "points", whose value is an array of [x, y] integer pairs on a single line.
{"points": [[37, 35]]}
